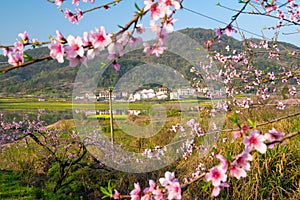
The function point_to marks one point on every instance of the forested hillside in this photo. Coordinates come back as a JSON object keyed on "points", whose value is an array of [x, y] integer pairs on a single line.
{"points": [[51, 79]]}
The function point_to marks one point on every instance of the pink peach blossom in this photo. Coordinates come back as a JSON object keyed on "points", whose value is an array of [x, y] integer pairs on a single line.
{"points": [[273, 135], [158, 194], [237, 172], [75, 47], [116, 194], [24, 37], [7, 50], [217, 189], [136, 192], [255, 141], [242, 160], [75, 2], [116, 65], [216, 175], [158, 50], [100, 39], [174, 190], [169, 176], [169, 24], [229, 29], [58, 2], [115, 50], [15, 59], [152, 187], [59, 37], [155, 11], [74, 61], [79, 14], [19, 47], [57, 51], [223, 162], [140, 29]]}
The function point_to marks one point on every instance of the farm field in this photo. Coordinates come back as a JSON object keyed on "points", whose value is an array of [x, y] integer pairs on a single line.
{"points": [[27, 174]]}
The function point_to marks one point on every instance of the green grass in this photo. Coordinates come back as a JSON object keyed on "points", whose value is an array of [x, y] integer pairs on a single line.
{"points": [[12, 188]]}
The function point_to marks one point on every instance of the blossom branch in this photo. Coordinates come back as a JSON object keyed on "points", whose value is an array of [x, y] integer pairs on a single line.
{"points": [[75, 17], [134, 20], [7, 69], [242, 11], [267, 122], [291, 135], [217, 174], [186, 185], [26, 44], [278, 141], [102, 6]]}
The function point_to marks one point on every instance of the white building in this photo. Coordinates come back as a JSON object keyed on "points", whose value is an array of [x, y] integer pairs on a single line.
{"points": [[174, 95], [186, 91], [137, 96], [161, 95], [143, 94], [90, 95]]}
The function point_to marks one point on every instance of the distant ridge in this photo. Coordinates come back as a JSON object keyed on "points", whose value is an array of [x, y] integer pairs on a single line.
{"points": [[51, 79]]}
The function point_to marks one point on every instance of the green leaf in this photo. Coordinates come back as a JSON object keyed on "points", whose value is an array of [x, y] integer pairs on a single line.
{"points": [[234, 118], [109, 188], [137, 7], [116, 3], [218, 4], [105, 192], [228, 155], [253, 124], [27, 57], [102, 65], [206, 186]]}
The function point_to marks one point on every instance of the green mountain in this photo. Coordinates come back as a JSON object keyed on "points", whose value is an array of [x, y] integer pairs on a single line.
{"points": [[48, 78], [51, 79]]}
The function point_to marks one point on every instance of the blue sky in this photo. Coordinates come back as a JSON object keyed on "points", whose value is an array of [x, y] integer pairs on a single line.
{"points": [[41, 19]]}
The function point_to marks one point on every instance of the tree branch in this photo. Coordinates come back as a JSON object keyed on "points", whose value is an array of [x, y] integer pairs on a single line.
{"points": [[185, 186], [7, 69], [265, 123], [291, 135], [102, 6]]}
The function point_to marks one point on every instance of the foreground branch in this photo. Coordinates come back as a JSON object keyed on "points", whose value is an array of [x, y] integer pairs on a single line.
{"points": [[10, 68], [291, 135], [265, 123], [185, 186]]}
